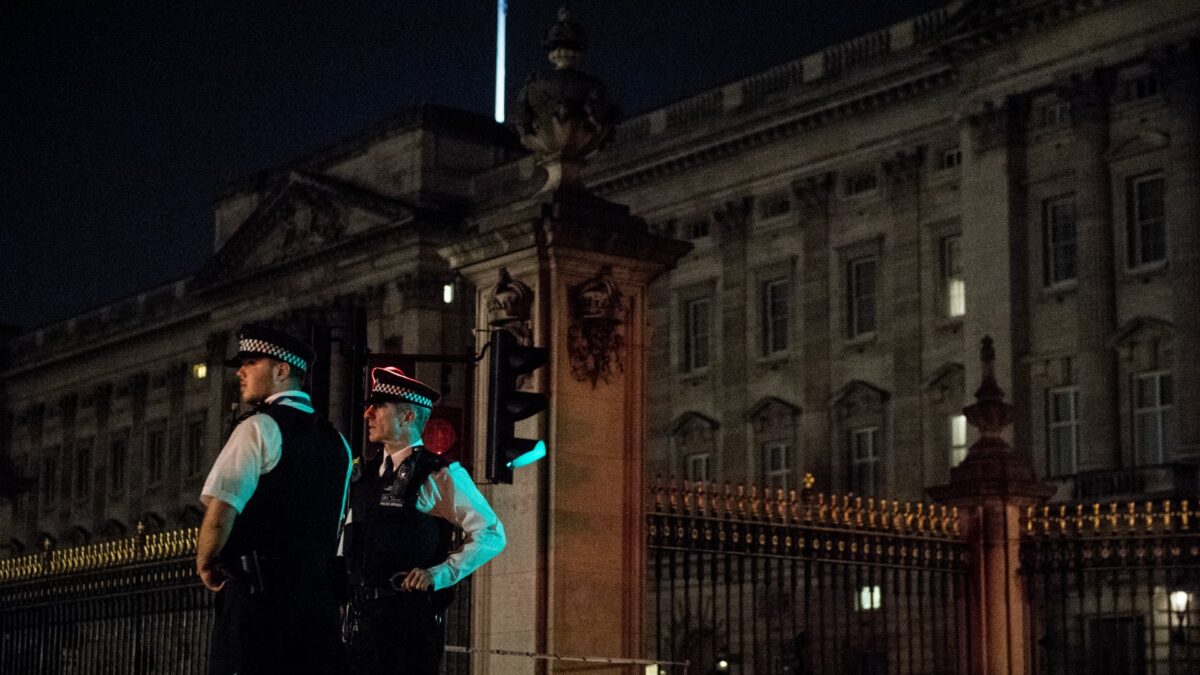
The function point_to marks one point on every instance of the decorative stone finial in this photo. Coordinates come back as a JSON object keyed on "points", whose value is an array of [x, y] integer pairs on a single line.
{"points": [[563, 115], [989, 413]]}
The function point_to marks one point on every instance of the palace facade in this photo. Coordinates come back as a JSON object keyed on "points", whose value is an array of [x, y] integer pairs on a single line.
{"points": [[860, 218]]}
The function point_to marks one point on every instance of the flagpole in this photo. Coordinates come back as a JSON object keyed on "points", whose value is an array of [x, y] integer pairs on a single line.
{"points": [[501, 18]]}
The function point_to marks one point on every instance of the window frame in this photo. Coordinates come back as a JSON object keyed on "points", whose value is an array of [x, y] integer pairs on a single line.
{"points": [[156, 462], [1136, 258], [696, 459], [692, 344], [771, 342], [1050, 246], [854, 298], [84, 469], [873, 460], [1163, 414], [776, 475], [1056, 463], [954, 285]]}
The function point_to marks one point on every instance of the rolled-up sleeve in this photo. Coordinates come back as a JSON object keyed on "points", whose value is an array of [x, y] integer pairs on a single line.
{"points": [[253, 449], [450, 494]]}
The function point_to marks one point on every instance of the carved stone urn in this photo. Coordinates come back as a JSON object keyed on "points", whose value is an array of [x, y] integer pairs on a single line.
{"points": [[564, 114]]}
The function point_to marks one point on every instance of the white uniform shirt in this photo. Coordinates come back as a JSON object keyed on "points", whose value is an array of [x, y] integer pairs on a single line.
{"points": [[450, 494], [253, 449]]}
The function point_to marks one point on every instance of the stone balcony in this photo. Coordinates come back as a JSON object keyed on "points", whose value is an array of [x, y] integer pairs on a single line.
{"points": [[1179, 480]]}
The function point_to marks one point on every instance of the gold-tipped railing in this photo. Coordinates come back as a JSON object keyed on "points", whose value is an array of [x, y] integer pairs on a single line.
{"points": [[806, 508], [1112, 519], [140, 548]]}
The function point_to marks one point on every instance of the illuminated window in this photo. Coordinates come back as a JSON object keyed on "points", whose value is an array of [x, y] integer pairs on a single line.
{"points": [[958, 439], [448, 293], [952, 276], [200, 371], [868, 598]]}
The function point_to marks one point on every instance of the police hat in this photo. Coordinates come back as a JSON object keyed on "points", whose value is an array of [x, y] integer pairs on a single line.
{"points": [[255, 340], [391, 385]]}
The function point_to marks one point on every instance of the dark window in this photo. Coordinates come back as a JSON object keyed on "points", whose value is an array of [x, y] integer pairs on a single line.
{"points": [[861, 182], [774, 206], [156, 455], [698, 466], [1153, 417], [116, 464], [50, 479], [860, 285], [194, 453], [696, 229], [1138, 88], [776, 465], [866, 461], [949, 159], [1062, 430], [1058, 224], [83, 469], [775, 316], [1147, 221], [696, 334]]}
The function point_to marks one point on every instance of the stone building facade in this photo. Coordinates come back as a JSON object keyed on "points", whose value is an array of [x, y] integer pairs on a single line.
{"points": [[861, 217]]}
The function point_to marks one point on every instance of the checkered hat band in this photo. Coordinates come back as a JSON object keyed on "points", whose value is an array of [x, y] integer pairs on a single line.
{"points": [[406, 394], [264, 347]]}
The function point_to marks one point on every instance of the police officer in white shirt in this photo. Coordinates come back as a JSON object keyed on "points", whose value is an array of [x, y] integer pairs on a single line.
{"points": [[274, 502], [404, 506]]}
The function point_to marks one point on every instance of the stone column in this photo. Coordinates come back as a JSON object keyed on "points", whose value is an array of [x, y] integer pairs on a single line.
{"points": [[993, 227], [1180, 70], [1099, 446], [905, 331], [812, 195], [733, 223], [572, 579], [991, 488]]}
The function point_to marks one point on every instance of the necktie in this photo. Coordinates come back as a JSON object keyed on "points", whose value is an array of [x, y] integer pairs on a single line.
{"points": [[389, 469]]}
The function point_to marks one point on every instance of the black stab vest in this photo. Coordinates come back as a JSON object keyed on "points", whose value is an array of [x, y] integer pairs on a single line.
{"points": [[382, 540], [292, 517]]}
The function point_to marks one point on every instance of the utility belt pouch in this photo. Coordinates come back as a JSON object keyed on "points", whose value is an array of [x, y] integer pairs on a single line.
{"points": [[251, 569]]}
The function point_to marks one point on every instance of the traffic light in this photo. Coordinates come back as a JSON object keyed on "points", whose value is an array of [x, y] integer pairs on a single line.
{"points": [[507, 405]]}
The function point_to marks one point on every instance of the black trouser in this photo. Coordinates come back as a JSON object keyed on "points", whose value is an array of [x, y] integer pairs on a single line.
{"points": [[291, 631], [399, 635]]}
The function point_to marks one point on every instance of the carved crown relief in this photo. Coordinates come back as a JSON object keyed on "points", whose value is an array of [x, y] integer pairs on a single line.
{"points": [[596, 336], [510, 307], [308, 222]]}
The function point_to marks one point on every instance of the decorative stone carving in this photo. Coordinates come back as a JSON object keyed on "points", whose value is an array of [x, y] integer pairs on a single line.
{"points": [[904, 168], [734, 217], [311, 221], [595, 338], [563, 115], [511, 306]]}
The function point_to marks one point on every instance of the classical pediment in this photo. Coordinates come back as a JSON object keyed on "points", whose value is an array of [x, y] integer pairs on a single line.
{"points": [[857, 396], [301, 216]]}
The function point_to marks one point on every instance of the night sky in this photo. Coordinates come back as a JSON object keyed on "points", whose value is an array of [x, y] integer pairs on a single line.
{"points": [[120, 123]]}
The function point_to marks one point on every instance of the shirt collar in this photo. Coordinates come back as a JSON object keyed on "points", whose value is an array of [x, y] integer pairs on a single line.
{"points": [[406, 451], [291, 393]]}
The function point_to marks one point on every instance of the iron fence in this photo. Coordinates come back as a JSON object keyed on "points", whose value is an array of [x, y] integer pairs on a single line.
{"points": [[132, 606], [1113, 587], [750, 581]]}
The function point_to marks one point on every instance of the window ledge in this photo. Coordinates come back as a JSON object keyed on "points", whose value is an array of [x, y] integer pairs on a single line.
{"points": [[860, 342], [693, 377], [949, 324], [1060, 290], [1147, 271], [773, 359]]}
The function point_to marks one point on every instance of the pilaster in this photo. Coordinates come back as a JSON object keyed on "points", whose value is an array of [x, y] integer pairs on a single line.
{"points": [[733, 221], [812, 196], [571, 581], [1180, 71], [903, 171], [1096, 319]]}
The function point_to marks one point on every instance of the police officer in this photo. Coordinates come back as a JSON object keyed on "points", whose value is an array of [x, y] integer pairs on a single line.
{"points": [[274, 502], [404, 506]]}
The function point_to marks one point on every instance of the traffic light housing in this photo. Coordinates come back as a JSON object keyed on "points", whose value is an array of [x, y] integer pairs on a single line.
{"points": [[507, 405]]}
